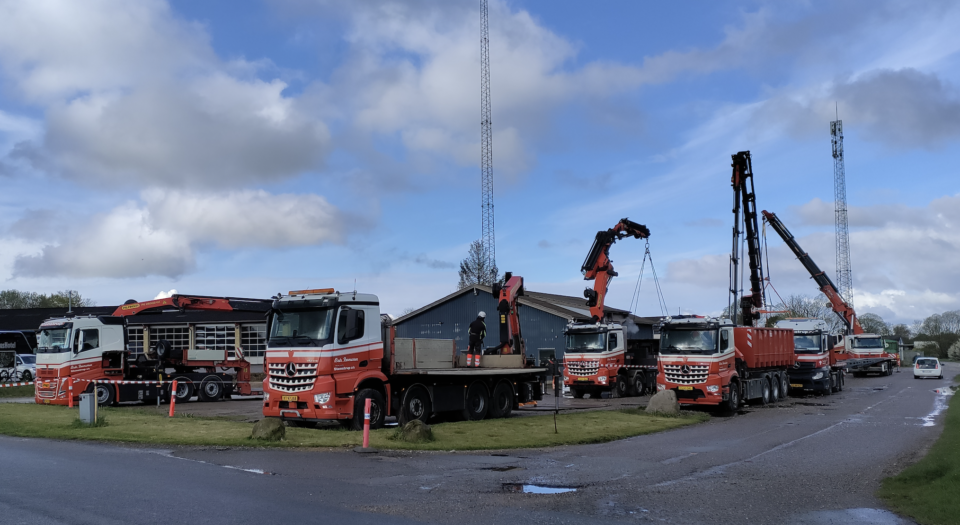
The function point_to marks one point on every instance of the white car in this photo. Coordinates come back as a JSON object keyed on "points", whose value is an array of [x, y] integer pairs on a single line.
{"points": [[927, 367], [18, 367]]}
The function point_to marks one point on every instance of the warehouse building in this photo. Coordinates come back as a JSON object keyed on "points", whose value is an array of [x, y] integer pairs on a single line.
{"points": [[543, 318]]}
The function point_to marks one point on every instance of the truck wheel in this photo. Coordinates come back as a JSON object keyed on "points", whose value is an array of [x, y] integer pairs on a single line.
{"points": [[840, 381], [416, 405], [477, 402], [185, 389], [378, 409], [106, 394], [765, 391], [775, 388], [732, 404], [501, 404], [211, 389], [639, 385], [622, 386], [577, 392], [889, 370], [784, 385]]}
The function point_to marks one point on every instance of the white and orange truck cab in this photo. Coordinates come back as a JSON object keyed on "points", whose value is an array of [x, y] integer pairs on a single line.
{"points": [[815, 369], [866, 353], [709, 361], [328, 352], [599, 358]]}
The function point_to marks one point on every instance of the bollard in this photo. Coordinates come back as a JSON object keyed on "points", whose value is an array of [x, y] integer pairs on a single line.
{"points": [[173, 396], [70, 392], [366, 423]]}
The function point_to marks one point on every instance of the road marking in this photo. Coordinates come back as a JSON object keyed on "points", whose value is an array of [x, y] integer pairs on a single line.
{"points": [[169, 454]]}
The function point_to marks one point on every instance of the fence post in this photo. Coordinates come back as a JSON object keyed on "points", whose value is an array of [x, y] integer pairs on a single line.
{"points": [[173, 396], [366, 423], [70, 392]]}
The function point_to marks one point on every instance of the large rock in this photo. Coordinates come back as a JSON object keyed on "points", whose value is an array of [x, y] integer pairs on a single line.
{"points": [[268, 429], [664, 402], [415, 431]]}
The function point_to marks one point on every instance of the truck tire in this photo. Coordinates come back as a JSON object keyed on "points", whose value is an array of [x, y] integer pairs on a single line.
{"points": [[622, 387], [211, 389], [775, 388], [639, 385], [477, 402], [784, 385], [889, 370], [577, 392], [185, 389], [501, 404], [106, 394], [416, 405], [732, 404], [840, 380], [378, 409], [764, 391]]}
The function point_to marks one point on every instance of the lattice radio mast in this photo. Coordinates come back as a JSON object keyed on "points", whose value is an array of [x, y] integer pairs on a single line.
{"points": [[486, 145], [844, 277]]}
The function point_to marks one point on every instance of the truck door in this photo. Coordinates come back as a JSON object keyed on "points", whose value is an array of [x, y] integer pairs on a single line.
{"points": [[355, 343]]}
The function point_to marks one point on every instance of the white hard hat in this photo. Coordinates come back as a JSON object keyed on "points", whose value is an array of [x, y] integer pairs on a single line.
{"points": [[481, 314]]}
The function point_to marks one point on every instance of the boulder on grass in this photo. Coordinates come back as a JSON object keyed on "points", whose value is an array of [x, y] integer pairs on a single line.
{"points": [[415, 431], [664, 402], [268, 429]]}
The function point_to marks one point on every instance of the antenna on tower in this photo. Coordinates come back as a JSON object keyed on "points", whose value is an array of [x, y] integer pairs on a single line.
{"points": [[844, 277], [486, 147]]}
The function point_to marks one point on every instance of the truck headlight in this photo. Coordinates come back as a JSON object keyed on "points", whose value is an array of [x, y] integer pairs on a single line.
{"points": [[603, 379], [266, 397], [713, 388], [818, 375], [322, 398]]}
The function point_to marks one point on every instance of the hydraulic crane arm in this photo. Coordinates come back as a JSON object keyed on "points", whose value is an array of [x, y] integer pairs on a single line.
{"points": [[190, 302], [511, 340], [598, 268], [840, 307], [743, 192]]}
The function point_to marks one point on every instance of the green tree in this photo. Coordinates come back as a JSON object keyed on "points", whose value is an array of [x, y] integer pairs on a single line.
{"points": [[61, 299], [874, 324], [474, 270]]}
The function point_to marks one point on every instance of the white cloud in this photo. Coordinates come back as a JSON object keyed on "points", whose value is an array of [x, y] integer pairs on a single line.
{"points": [[161, 235], [165, 295], [134, 95]]}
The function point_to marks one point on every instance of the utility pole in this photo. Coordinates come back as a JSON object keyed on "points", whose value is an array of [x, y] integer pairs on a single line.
{"points": [[486, 145], [844, 272]]}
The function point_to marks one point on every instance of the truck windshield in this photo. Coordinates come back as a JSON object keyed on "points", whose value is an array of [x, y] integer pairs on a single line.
{"points": [[806, 344], [700, 342], [867, 342], [311, 327], [54, 340], [589, 342]]}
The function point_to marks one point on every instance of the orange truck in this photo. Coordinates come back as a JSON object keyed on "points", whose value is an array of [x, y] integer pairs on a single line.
{"points": [[90, 352], [328, 352], [709, 361]]}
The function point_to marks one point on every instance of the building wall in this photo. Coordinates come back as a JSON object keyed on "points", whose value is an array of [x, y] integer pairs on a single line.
{"points": [[451, 320]]}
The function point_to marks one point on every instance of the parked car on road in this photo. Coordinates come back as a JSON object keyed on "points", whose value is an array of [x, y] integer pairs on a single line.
{"points": [[927, 367], [17, 367]]}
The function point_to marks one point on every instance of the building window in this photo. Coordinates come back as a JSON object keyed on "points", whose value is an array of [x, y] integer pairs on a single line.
{"points": [[135, 339], [179, 336], [216, 337], [253, 339]]}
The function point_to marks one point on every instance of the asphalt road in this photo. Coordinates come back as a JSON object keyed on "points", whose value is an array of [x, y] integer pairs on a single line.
{"points": [[815, 460]]}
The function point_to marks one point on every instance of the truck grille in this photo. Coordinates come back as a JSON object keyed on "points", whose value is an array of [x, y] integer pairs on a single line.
{"points": [[49, 392], [583, 368], [686, 374], [804, 365], [300, 380]]}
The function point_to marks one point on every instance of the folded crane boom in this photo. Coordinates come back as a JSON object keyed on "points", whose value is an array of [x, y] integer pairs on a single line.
{"points": [[743, 194], [598, 268]]}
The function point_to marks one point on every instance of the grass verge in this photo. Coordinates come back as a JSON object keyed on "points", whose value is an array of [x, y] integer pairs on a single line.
{"points": [[150, 426], [17, 391], [927, 491]]}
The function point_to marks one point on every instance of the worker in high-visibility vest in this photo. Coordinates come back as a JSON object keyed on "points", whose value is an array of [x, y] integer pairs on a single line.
{"points": [[478, 331]]}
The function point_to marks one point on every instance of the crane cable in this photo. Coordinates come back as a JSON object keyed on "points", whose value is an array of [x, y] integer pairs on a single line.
{"points": [[635, 300]]}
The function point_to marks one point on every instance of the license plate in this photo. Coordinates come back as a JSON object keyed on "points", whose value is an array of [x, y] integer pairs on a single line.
{"points": [[583, 379], [794, 385], [45, 385], [289, 398], [684, 388]]}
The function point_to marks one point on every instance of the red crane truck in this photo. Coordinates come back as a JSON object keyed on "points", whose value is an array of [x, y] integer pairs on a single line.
{"points": [[91, 351], [860, 352], [598, 357], [328, 352]]}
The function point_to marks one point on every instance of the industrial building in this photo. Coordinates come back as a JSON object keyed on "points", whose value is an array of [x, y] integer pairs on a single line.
{"points": [[542, 319]]}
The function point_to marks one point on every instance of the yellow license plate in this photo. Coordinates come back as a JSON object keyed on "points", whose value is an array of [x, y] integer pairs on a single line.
{"points": [[684, 388], [45, 385], [583, 379], [795, 385], [289, 398]]}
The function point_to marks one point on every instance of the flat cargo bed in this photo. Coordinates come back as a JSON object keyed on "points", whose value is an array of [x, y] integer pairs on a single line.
{"points": [[468, 371]]}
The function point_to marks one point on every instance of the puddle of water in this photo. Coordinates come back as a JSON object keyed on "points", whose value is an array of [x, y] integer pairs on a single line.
{"points": [[939, 405], [503, 469], [536, 489]]}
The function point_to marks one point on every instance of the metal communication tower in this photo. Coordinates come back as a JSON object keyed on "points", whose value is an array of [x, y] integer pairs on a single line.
{"points": [[486, 144], [844, 277]]}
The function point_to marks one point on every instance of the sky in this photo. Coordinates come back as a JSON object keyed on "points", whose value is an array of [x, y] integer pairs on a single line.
{"points": [[249, 148]]}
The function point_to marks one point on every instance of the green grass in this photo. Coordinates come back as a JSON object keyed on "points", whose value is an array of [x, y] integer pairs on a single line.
{"points": [[150, 426], [927, 491], [17, 391]]}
